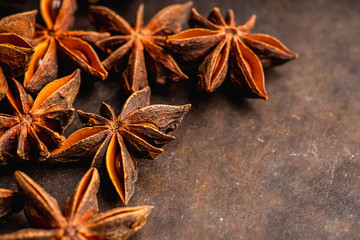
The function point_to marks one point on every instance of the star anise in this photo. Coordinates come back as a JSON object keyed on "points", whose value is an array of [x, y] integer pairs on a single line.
{"points": [[139, 131], [79, 220], [228, 50], [56, 36], [15, 51], [10, 202], [37, 125], [139, 51]]}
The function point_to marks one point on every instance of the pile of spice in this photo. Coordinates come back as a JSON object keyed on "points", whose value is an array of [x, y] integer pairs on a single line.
{"points": [[41, 103]]}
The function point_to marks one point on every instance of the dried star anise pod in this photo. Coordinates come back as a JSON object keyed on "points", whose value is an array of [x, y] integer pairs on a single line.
{"points": [[37, 126], [22, 24], [79, 220], [15, 51], [10, 202], [139, 51], [139, 131], [15, 55], [59, 17], [228, 50]]}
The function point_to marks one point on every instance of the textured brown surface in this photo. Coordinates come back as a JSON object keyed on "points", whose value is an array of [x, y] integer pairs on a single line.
{"points": [[285, 168]]}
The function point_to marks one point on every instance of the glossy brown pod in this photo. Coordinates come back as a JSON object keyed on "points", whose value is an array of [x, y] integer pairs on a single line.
{"points": [[139, 131], [227, 50]]}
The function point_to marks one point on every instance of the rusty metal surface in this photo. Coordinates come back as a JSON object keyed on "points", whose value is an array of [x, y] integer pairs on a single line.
{"points": [[286, 168]]}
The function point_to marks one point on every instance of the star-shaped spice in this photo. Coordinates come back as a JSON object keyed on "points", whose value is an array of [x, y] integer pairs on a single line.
{"points": [[228, 50], [138, 51], [139, 131], [15, 51], [59, 17], [37, 126], [79, 220]]}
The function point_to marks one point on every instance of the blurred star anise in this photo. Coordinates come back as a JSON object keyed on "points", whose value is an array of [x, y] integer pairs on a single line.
{"points": [[79, 220], [228, 50], [37, 125], [139, 131], [15, 51], [139, 51], [59, 18], [10, 202]]}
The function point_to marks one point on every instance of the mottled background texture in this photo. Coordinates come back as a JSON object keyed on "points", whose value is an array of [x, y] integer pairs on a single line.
{"points": [[285, 168]]}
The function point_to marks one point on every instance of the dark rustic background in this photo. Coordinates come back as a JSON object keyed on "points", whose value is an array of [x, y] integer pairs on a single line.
{"points": [[285, 168]]}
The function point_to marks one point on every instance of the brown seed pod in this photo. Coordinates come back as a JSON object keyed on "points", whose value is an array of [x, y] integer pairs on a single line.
{"points": [[139, 131], [129, 46], [79, 220], [56, 39], [227, 50], [37, 126]]}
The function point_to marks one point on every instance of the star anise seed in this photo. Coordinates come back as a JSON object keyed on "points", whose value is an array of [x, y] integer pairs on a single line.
{"points": [[139, 51], [79, 220], [37, 125], [56, 39], [228, 50], [139, 131]]}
